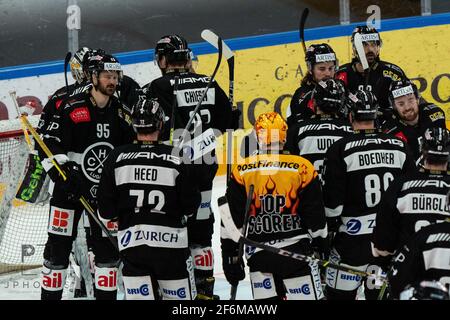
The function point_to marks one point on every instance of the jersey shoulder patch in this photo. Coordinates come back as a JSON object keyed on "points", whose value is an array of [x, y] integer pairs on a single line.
{"points": [[80, 114]]}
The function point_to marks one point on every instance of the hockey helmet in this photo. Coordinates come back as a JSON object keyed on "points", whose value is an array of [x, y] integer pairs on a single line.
{"points": [[329, 95], [425, 290], [76, 64], [435, 144], [100, 61], [147, 115], [317, 53], [363, 105], [367, 34], [401, 88], [270, 128], [174, 48]]}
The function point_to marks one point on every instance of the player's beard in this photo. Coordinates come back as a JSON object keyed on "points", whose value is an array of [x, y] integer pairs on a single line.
{"points": [[371, 56], [410, 114], [107, 90]]}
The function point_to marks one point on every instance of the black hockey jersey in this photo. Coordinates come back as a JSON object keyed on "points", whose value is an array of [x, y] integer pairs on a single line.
{"points": [[381, 75], [287, 203], [410, 202], [357, 171], [311, 138], [301, 106], [149, 189], [426, 257], [214, 112], [430, 115], [86, 134], [55, 101]]}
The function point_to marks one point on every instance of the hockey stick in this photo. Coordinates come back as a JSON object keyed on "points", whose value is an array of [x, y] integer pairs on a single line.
{"points": [[229, 55], [362, 57], [66, 62], [49, 154], [215, 41], [248, 202], [237, 236], [302, 28], [174, 106]]}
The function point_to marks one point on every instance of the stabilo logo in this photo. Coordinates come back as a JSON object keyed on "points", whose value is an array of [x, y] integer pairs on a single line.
{"points": [[108, 281], [204, 260], [80, 115], [60, 219], [53, 280]]}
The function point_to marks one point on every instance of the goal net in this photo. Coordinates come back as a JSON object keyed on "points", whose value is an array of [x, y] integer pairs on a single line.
{"points": [[23, 226]]}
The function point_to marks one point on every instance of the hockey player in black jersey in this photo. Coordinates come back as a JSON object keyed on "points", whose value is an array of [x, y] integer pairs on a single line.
{"points": [[312, 137], [425, 258], [148, 189], [39, 190], [411, 117], [357, 170], [91, 124], [286, 211], [322, 63], [416, 200], [380, 74], [213, 118]]}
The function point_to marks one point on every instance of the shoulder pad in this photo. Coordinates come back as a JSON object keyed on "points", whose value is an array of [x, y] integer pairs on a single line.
{"points": [[124, 113], [394, 67]]}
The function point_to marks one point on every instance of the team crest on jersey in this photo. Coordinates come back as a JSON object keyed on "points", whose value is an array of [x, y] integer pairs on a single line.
{"points": [[80, 115], [93, 159]]}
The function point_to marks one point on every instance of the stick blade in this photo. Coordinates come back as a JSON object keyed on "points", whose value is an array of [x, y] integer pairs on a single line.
{"points": [[302, 23], [213, 39], [360, 50]]}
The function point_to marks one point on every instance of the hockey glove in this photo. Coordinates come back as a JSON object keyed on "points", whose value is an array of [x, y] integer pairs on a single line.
{"points": [[74, 184], [233, 268]]}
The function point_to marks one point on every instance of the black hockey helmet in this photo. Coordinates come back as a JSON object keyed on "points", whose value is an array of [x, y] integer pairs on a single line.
{"points": [[435, 144], [174, 48], [77, 66], [401, 88], [367, 34], [329, 95], [147, 115], [363, 105], [425, 290], [317, 53], [100, 61]]}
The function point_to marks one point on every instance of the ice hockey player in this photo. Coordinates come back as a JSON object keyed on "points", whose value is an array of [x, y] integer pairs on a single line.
{"points": [[312, 137], [425, 257], [357, 170], [35, 174], [172, 55], [380, 74], [149, 191], [416, 200], [286, 209], [410, 117], [322, 63], [91, 124]]}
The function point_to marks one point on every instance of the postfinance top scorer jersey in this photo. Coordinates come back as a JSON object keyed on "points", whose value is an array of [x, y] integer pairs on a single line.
{"points": [[286, 202]]}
